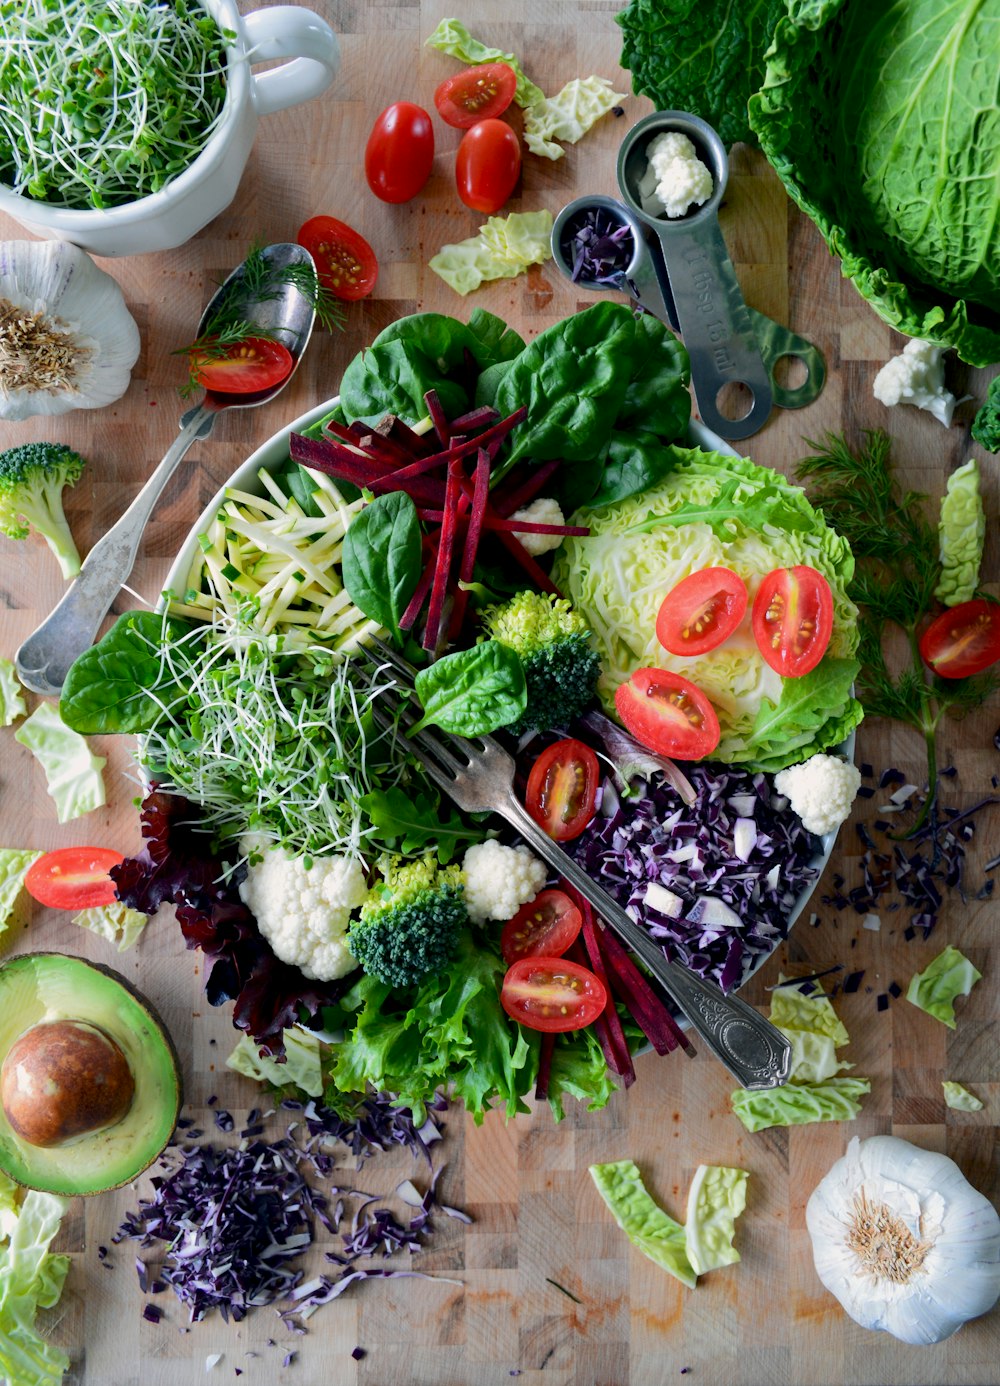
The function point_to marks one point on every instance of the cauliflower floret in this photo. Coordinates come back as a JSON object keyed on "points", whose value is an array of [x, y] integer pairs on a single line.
{"points": [[916, 377], [545, 510], [821, 791], [304, 910], [499, 880], [675, 176]]}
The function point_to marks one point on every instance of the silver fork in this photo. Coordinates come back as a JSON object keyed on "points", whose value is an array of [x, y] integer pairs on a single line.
{"points": [[478, 774]]}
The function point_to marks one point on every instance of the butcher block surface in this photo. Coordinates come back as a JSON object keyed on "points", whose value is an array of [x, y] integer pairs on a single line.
{"points": [[549, 1292]]}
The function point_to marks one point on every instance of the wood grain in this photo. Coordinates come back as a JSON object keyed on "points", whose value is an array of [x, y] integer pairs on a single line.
{"points": [[538, 1222]]}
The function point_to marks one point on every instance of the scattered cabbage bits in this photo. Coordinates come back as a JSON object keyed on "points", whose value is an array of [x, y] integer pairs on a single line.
{"points": [[103, 103]]}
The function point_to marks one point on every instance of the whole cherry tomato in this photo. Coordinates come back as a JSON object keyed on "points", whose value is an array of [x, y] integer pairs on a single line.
{"points": [[487, 165], [400, 152]]}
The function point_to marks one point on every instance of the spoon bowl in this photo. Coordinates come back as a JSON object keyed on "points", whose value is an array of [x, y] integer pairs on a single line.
{"points": [[273, 305]]}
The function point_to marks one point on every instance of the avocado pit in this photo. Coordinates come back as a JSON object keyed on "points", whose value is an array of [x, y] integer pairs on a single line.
{"points": [[63, 1079]]}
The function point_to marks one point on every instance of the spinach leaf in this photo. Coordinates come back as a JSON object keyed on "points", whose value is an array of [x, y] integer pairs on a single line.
{"points": [[474, 691], [574, 483], [111, 686], [392, 378], [633, 462], [489, 383], [409, 821], [493, 342], [572, 380], [657, 398], [443, 340], [381, 558]]}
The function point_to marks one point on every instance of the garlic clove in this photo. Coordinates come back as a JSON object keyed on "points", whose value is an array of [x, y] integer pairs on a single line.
{"points": [[80, 350]]}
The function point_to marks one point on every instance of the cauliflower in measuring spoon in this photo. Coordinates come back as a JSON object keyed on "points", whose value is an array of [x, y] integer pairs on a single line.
{"points": [[675, 179], [303, 907], [916, 376], [821, 790], [499, 880]]}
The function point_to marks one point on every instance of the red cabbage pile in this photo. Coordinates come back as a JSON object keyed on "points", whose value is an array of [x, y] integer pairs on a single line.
{"points": [[713, 881]]}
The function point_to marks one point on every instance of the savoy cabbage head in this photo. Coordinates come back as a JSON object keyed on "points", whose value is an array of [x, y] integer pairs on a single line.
{"points": [[882, 120]]}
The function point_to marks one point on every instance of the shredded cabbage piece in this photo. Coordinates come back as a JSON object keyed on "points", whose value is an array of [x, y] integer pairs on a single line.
{"points": [[504, 247], [643, 1221], [13, 869], [934, 990], [717, 1196], [568, 115], [31, 1278], [72, 771], [960, 1099], [115, 922], [12, 704], [302, 1068]]}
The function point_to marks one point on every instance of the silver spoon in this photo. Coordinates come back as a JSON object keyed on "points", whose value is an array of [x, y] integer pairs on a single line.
{"points": [[44, 659]]}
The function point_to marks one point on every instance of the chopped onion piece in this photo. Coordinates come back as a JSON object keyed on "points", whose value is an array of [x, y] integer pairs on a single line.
{"points": [[664, 901], [744, 837]]}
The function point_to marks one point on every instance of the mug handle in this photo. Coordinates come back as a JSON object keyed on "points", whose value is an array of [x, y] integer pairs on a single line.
{"points": [[290, 31]]}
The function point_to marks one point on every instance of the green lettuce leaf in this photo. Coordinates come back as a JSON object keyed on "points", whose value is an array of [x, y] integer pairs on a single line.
{"points": [[13, 869], [568, 115], [698, 56], [874, 120], [960, 1098], [302, 1069], [72, 771], [12, 704], [717, 1196], [643, 1221], [30, 1278], [798, 1104], [115, 922], [934, 990]]}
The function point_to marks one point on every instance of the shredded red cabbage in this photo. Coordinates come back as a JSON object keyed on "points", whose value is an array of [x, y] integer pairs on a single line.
{"points": [[689, 852]]}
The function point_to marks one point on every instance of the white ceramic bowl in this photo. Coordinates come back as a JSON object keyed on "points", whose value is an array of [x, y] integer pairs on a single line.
{"points": [[272, 455], [171, 216]]}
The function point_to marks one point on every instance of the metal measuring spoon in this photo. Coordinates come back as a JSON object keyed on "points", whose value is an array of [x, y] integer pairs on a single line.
{"points": [[44, 659], [644, 277], [711, 314]]}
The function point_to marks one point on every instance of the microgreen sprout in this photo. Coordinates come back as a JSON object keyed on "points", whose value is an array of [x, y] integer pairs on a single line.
{"points": [[105, 101]]}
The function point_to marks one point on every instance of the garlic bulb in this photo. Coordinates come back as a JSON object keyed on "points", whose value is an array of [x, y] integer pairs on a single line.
{"points": [[904, 1241], [67, 341]]}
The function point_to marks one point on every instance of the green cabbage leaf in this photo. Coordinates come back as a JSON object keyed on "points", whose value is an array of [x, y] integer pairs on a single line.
{"points": [[655, 1233], [711, 510], [14, 866], [884, 126], [959, 1098], [961, 535], [716, 1198], [934, 990], [12, 704], [302, 1069], [799, 1104], [72, 771], [31, 1278]]}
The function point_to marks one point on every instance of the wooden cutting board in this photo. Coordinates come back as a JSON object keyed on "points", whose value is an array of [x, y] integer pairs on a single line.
{"points": [[617, 1320]]}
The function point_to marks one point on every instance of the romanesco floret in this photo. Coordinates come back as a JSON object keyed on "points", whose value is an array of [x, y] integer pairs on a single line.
{"points": [[820, 790], [499, 880], [32, 479], [303, 907], [411, 924], [552, 641], [916, 376], [986, 424]]}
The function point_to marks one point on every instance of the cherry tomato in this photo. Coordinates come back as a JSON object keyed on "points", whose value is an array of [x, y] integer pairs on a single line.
{"points": [[345, 262], [478, 93], [668, 714], [562, 789], [245, 368], [963, 640], [793, 619], [552, 994], [487, 165], [73, 878], [399, 152], [701, 612], [546, 927]]}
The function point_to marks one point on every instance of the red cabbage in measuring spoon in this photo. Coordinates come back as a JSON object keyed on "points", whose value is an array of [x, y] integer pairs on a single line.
{"points": [[598, 246]]}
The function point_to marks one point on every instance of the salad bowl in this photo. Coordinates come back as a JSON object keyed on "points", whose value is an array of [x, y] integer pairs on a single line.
{"points": [[273, 455]]}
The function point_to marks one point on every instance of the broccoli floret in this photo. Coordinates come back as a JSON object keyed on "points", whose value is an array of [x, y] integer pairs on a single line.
{"points": [[32, 478], [410, 927], [552, 640], [986, 424]]}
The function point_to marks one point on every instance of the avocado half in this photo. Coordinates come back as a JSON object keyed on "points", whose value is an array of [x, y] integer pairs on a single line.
{"points": [[39, 989]]}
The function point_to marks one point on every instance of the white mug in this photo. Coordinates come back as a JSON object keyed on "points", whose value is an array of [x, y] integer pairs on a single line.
{"points": [[171, 216]]}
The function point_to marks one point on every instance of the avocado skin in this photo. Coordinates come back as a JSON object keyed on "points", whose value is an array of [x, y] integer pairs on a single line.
{"points": [[150, 1051]]}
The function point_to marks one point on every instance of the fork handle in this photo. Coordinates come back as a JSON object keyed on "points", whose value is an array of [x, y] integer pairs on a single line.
{"points": [[756, 1053]]}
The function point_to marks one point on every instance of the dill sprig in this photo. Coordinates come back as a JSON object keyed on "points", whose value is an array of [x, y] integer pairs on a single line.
{"points": [[261, 281], [897, 568]]}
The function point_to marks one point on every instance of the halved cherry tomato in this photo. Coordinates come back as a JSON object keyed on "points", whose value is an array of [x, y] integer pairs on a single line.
{"points": [[668, 714], [400, 152], [245, 368], [562, 789], [963, 640], [345, 262], [73, 878], [478, 93], [487, 165], [701, 611], [545, 927], [793, 619], [552, 994]]}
